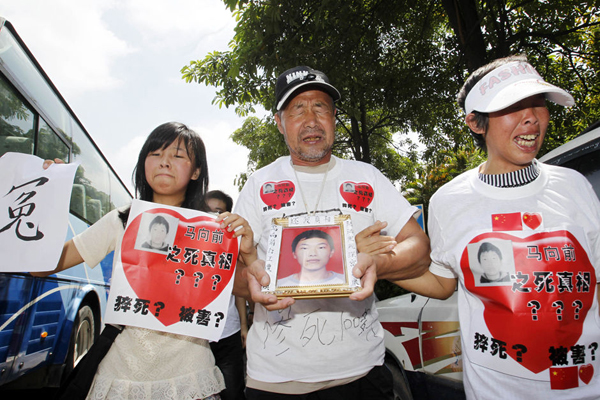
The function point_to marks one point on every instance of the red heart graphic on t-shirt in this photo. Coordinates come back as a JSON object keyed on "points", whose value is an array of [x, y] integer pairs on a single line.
{"points": [[277, 194], [357, 195], [538, 314], [195, 271], [532, 220], [586, 373]]}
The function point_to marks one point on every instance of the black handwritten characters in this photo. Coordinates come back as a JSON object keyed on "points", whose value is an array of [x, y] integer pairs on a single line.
{"points": [[34, 206]]}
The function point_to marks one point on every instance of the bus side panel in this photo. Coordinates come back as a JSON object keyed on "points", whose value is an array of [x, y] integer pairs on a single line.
{"points": [[14, 289]]}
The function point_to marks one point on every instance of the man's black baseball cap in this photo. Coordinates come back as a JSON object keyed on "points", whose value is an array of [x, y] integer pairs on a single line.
{"points": [[296, 78]]}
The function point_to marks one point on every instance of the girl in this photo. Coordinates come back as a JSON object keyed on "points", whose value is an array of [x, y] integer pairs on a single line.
{"points": [[142, 363]]}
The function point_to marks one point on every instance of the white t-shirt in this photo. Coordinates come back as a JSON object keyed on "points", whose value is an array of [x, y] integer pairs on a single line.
{"points": [[540, 329], [319, 339], [142, 363]]}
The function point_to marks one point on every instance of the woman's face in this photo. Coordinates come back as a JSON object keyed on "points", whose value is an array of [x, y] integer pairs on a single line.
{"points": [[515, 135], [158, 235], [168, 172]]}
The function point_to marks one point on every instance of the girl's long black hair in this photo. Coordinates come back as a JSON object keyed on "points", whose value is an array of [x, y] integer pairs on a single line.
{"points": [[160, 138]]}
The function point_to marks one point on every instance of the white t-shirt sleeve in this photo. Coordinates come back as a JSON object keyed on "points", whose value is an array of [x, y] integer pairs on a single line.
{"points": [[442, 270], [99, 239], [391, 206]]}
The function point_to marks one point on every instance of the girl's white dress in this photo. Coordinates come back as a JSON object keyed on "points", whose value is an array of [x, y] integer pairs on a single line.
{"points": [[142, 363]]}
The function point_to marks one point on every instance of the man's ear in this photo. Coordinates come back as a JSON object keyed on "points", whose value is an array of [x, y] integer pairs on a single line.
{"points": [[471, 121], [279, 123]]}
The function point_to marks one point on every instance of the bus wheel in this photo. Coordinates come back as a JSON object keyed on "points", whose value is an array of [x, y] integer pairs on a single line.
{"points": [[82, 336]]}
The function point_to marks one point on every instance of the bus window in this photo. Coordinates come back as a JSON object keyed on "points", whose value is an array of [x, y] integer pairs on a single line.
{"points": [[49, 144], [16, 122], [92, 201], [119, 196]]}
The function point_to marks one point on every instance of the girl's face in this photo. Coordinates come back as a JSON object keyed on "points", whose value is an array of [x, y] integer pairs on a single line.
{"points": [[168, 172]]}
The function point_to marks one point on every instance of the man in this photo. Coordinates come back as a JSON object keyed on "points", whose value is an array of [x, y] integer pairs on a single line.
{"points": [[323, 348], [534, 337], [313, 249]]}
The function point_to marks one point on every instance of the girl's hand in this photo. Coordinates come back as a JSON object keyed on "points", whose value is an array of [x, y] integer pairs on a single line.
{"points": [[48, 163], [240, 227]]}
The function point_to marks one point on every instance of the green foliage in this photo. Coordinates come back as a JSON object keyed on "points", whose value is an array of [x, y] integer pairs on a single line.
{"points": [[399, 66], [263, 140], [381, 55]]}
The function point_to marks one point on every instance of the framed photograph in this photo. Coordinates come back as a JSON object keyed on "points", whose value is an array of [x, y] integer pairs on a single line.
{"points": [[311, 256]]}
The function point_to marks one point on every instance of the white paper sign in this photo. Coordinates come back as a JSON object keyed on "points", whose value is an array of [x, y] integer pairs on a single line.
{"points": [[174, 272], [34, 212]]}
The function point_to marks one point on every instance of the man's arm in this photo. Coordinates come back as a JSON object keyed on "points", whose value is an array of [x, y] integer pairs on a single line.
{"points": [[408, 258]]}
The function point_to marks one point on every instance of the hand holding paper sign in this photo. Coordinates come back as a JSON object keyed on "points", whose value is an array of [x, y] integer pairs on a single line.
{"points": [[240, 228]]}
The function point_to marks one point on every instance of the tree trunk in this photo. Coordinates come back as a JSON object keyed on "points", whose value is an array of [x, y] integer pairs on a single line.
{"points": [[465, 21]]}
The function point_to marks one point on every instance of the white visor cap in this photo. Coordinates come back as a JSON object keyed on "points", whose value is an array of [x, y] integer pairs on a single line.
{"points": [[509, 84]]}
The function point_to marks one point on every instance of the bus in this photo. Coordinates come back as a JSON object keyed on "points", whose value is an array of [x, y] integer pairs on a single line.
{"points": [[48, 324]]}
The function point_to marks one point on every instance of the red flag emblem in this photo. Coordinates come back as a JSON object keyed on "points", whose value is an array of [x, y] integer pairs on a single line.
{"points": [[507, 222], [563, 378]]}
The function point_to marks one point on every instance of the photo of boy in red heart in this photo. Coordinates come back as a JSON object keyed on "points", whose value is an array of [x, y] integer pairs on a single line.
{"points": [[358, 195], [152, 275], [277, 194]]}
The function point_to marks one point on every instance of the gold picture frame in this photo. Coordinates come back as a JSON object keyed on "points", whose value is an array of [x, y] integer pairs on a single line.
{"points": [[311, 256]]}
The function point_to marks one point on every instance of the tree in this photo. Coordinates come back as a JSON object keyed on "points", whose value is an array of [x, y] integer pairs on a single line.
{"points": [[561, 39], [399, 65], [381, 55]]}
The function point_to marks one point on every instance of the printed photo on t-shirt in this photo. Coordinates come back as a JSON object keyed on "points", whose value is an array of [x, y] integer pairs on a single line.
{"points": [[492, 262]]}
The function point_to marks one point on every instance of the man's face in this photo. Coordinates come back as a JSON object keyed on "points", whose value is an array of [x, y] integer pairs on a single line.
{"points": [[313, 253], [515, 135], [308, 125]]}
